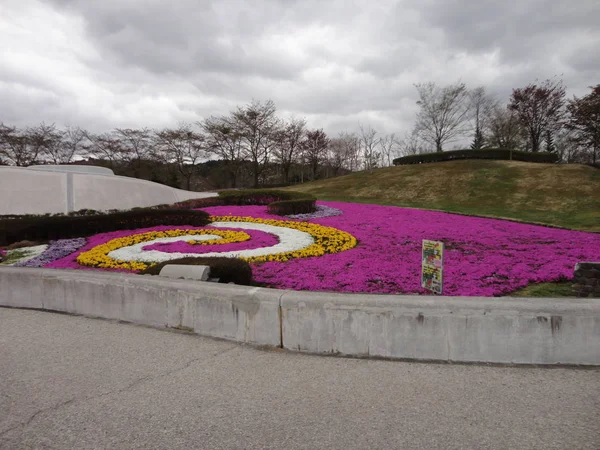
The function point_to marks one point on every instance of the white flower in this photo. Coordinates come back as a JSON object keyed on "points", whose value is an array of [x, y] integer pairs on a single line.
{"points": [[28, 253], [289, 240]]}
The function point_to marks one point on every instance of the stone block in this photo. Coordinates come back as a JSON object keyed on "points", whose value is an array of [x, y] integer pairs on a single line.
{"points": [[187, 272]]}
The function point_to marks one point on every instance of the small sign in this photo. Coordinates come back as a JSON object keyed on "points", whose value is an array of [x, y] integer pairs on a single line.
{"points": [[433, 266]]}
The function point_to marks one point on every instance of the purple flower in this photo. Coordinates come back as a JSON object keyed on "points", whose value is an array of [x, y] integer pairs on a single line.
{"points": [[322, 211], [56, 250]]}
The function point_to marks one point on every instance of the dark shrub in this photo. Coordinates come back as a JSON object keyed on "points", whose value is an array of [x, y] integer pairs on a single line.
{"points": [[43, 228], [280, 202], [21, 244], [196, 203], [488, 153], [227, 270], [287, 207]]}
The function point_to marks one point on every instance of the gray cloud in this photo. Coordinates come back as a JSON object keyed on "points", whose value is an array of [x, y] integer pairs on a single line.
{"points": [[153, 63]]}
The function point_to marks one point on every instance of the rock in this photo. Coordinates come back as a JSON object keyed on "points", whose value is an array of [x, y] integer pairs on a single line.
{"points": [[188, 272]]}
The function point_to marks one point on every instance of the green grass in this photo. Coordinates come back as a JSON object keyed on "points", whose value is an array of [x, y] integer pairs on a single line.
{"points": [[559, 289], [559, 195]]}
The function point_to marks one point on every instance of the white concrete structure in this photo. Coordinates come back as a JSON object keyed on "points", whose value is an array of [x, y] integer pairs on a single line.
{"points": [[452, 329], [61, 189]]}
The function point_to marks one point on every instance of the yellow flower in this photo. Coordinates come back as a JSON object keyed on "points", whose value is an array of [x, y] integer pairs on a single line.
{"points": [[326, 240]]}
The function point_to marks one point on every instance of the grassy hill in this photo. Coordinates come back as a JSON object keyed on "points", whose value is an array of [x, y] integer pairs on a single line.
{"points": [[560, 195]]}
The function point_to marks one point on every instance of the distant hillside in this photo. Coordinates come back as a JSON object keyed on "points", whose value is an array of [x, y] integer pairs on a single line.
{"points": [[561, 195]]}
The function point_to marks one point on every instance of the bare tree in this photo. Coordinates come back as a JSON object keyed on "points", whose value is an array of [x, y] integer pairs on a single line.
{"points": [[369, 143], [444, 112], [257, 126], [184, 147], [565, 146], [45, 141], [19, 147], [351, 143], [584, 122], [224, 141], [137, 145], [336, 155], [290, 140], [505, 129], [73, 144], [106, 146], [481, 107], [539, 108], [314, 147], [412, 144], [390, 148]]}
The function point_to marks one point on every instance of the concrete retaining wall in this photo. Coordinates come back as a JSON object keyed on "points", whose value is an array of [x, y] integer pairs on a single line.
{"points": [[230, 312], [38, 191], [459, 329], [468, 329]]}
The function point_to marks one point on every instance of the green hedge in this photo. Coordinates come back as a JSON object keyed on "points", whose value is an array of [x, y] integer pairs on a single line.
{"points": [[488, 153], [227, 270], [37, 228]]}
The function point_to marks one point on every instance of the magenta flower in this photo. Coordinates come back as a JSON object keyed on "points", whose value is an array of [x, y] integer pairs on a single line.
{"points": [[483, 257]]}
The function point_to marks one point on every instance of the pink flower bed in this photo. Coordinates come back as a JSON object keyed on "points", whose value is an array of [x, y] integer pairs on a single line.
{"points": [[258, 239], [70, 261], [483, 257]]}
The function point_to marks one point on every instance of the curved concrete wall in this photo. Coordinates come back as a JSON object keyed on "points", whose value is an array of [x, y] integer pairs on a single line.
{"points": [[35, 191], [73, 168], [459, 329]]}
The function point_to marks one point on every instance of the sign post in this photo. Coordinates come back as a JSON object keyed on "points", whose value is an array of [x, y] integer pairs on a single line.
{"points": [[433, 266]]}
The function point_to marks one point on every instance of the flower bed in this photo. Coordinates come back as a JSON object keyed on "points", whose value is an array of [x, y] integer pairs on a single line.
{"points": [[55, 250], [132, 251], [322, 211], [484, 257]]}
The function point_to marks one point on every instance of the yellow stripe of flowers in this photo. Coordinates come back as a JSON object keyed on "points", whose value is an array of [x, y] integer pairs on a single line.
{"points": [[326, 240]]}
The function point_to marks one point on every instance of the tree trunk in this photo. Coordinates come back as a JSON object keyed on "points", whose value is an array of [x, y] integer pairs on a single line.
{"points": [[256, 174], [285, 170]]}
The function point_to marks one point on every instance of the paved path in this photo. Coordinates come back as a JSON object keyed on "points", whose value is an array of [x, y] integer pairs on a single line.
{"points": [[76, 383]]}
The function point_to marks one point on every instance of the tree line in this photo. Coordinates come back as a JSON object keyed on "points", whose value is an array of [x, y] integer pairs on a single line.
{"points": [[252, 145], [537, 117]]}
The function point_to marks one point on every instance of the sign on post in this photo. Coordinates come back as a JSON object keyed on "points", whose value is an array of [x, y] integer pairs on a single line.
{"points": [[433, 266]]}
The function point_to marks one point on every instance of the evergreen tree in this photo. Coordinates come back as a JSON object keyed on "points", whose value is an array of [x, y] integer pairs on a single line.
{"points": [[549, 141], [478, 140]]}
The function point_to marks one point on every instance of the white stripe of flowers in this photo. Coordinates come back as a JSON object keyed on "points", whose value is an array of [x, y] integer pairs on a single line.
{"points": [[289, 240], [29, 253]]}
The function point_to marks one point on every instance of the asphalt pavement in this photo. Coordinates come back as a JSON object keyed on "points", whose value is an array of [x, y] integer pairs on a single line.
{"points": [[76, 383]]}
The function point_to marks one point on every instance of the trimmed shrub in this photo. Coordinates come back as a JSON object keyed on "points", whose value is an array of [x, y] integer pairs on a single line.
{"points": [[289, 207], [488, 153], [227, 270], [279, 202], [196, 203], [43, 228], [21, 244]]}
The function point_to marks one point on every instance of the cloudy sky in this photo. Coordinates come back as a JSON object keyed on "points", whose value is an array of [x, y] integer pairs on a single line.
{"points": [[102, 64]]}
